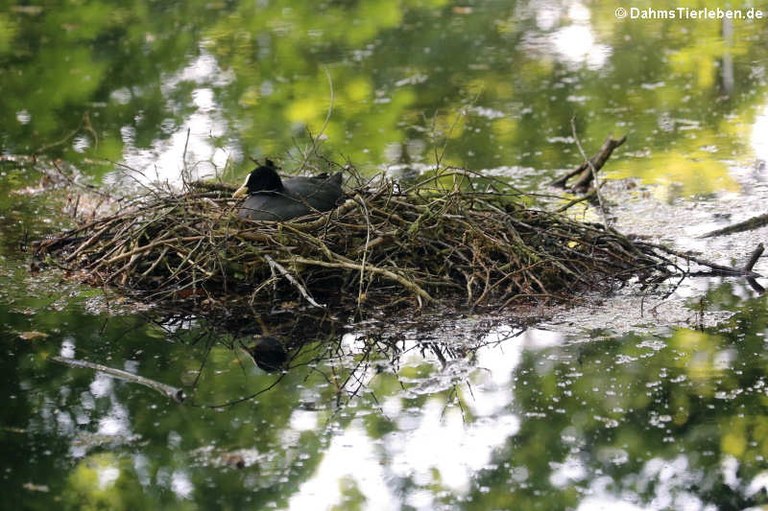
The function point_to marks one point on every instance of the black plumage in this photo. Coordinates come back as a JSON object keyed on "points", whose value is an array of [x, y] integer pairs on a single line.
{"points": [[270, 197]]}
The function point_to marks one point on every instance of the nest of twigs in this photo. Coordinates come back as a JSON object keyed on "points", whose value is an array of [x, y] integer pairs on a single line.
{"points": [[382, 247]]}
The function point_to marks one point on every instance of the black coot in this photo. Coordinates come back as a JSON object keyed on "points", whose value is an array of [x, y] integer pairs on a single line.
{"points": [[271, 198]]}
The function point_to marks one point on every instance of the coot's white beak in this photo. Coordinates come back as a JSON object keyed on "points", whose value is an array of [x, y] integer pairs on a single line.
{"points": [[241, 192]]}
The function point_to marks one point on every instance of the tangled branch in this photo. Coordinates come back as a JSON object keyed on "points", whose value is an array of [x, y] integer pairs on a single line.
{"points": [[381, 248]]}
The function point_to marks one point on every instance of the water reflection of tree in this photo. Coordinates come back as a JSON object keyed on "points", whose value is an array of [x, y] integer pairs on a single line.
{"points": [[92, 70], [641, 420], [630, 417], [625, 406], [402, 74]]}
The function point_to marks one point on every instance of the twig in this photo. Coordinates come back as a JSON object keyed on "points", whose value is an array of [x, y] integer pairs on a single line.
{"points": [[716, 269], [185, 175], [372, 269], [381, 248], [246, 398], [173, 393], [366, 248], [285, 273], [585, 170], [587, 197], [754, 257], [747, 225]]}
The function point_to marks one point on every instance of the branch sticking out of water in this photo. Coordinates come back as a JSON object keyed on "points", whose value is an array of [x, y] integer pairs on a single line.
{"points": [[587, 170], [173, 393]]}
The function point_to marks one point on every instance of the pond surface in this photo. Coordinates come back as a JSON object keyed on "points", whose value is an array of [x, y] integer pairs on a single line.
{"points": [[649, 399]]}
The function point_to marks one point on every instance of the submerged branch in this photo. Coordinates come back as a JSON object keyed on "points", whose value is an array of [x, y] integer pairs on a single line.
{"points": [[747, 225], [173, 393], [715, 269]]}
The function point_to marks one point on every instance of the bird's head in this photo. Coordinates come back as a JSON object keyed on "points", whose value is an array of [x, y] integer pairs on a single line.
{"points": [[263, 178]]}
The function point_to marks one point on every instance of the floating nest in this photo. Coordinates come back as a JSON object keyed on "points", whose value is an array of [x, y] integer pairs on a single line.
{"points": [[442, 241]]}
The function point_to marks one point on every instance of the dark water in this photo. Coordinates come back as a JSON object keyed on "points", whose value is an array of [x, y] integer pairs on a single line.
{"points": [[638, 401]]}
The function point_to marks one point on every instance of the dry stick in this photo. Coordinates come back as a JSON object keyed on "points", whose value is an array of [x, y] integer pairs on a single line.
{"points": [[90, 241], [192, 263], [415, 288], [97, 236], [717, 269], [587, 197], [596, 163], [285, 273], [264, 284], [158, 260], [174, 393], [584, 181], [754, 284], [185, 176], [747, 225], [316, 242], [538, 239], [366, 247], [585, 169], [754, 257], [218, 260], [146, 248]]}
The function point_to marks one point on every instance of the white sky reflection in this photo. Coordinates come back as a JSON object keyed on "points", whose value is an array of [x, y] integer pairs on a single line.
{"points": [[759, 137], [568, 34], [164, 161], [433, 444]]}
